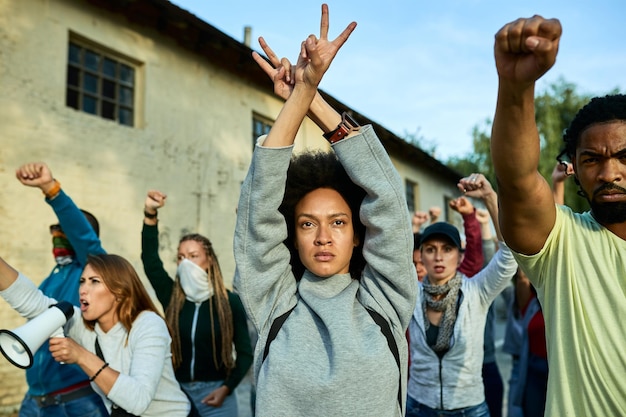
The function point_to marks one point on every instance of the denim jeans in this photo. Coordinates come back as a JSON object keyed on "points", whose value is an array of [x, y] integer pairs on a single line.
{"points": [[87, 406], [494, 388], [415, 409], [514, 410], [200, 389], [536, 386]]}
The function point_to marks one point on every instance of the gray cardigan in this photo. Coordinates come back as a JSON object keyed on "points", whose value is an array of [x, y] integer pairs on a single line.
{"points": [[329, 358], [455, 381]]}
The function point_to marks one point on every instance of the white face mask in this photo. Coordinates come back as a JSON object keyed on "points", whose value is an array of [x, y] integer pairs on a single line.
{"points": [[194, 281]]}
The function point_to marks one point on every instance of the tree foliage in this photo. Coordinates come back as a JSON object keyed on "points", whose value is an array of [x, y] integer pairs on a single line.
{"points": [[417, 139], [480, 159], [554, 110]]}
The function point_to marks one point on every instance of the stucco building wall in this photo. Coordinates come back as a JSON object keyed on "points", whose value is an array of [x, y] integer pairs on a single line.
{"points": [[192, 139]]}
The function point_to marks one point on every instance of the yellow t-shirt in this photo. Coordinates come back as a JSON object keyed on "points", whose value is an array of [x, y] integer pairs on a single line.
{"points": [[580, 276]]}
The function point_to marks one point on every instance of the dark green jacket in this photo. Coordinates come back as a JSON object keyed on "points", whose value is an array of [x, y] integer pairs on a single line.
{"points": [[201, 352]]}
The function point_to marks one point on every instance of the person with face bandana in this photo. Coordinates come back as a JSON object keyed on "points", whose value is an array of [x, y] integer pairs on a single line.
{"points": [[205, 318], [55, 389]]}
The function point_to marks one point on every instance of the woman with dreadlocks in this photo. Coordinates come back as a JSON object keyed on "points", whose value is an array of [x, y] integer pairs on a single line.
{"points": [[448, 324], [205, 319]]}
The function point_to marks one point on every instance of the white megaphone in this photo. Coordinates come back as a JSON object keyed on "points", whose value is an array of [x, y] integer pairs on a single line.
{"points": [[18, 346]]}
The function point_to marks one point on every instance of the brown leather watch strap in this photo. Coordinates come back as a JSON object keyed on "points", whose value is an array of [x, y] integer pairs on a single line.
{"points": [[347, 125]]}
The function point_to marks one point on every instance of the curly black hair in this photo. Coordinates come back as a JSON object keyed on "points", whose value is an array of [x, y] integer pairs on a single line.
{"points": [[307, 172], [598, 110]]}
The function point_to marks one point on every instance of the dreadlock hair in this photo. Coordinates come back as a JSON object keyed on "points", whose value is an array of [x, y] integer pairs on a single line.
{"points": [[122, 280], [318, 169], [598, 110], [220, 297]]}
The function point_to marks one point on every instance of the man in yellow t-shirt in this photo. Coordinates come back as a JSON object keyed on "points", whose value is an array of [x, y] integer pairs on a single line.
{"points": [[577, 262]]}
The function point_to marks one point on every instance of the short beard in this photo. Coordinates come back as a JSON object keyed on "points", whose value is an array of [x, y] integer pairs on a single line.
{"points": [[609, 213]]}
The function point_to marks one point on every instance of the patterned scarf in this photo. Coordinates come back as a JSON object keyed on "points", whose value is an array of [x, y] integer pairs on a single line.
{"points": [[61, 248], [447, 305]]}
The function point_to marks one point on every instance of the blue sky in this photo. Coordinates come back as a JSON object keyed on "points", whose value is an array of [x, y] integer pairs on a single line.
{"points": [[426, 67]]}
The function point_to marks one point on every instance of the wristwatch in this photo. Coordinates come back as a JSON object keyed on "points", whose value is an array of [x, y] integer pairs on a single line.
{"points": [[347, 125]]}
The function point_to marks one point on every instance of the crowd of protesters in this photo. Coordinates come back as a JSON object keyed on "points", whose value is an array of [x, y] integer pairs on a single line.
{"points": [[344, 324]]}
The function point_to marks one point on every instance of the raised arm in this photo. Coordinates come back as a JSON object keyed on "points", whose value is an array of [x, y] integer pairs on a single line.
{"points": [[81, 235], [419, 219], [473, 259], [298, 85], [434, 213], [8, 275], [477, 186], [497, 273], [21, 293], [524, 50], [152, 263], [561, 171], [263, 277], [489, 243]]}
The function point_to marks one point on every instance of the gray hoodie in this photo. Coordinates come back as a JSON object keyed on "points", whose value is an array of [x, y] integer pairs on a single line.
{"points": [[455, 380], [329, 358]]}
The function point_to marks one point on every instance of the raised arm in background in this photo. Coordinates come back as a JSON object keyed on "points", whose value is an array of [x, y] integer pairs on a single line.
{"points": [[477, 186], [561, 171], [473, 259], [79, 227]]}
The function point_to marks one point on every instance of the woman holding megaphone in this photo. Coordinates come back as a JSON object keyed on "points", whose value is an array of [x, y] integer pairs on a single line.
{"points": [[118, 339]]}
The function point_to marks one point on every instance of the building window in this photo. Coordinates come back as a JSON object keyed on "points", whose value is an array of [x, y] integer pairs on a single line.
{"points": [[260, 126], [410, 192], [100, 84]]}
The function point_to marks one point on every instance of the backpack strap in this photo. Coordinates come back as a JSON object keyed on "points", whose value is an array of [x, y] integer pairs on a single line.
{"points": [[386, 330], [276, 325], [378, 319]]}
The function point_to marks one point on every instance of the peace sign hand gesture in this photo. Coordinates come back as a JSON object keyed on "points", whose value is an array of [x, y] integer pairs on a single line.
{"points": [[316, 55]]}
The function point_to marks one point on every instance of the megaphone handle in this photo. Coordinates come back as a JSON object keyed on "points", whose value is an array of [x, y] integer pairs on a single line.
{"points": [[59, 333]]}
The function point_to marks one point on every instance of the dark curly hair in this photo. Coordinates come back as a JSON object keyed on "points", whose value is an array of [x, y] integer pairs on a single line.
{"points": [[598, 110], [318, 169]]}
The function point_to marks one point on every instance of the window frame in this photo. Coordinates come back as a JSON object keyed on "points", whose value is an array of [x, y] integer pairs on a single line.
{"points": [[266, 122], [107, 81], [411, 193]]}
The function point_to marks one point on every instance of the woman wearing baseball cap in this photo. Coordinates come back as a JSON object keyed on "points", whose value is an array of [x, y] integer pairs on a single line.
{"points": [[447, 327]]}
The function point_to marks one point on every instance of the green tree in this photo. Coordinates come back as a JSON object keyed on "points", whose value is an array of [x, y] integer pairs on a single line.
{"points": [[417, 139], [480, 159], [554, 108]]}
